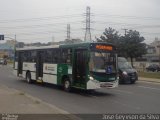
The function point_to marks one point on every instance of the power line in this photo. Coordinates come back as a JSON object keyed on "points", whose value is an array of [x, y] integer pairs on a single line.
{"points": [[121, 23], [146, 26], [58, 31], [128, 17], [40, 33], [75, 15], [149, 33], [41, 18], [146, 33], [126, 24], [39, 25]]}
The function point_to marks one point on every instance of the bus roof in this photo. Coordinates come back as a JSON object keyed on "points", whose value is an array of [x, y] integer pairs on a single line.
{"points": [[83, 44], [37, 48], [75, 45]]}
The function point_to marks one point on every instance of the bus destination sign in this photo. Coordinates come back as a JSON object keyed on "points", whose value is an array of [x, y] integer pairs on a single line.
{"points": [[104, 47]]}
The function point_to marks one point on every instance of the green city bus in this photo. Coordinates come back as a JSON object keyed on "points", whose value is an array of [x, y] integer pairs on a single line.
{"points": [[82, 65]]}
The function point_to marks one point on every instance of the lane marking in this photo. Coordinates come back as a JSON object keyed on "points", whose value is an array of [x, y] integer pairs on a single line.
{"points": [[152, 88]]}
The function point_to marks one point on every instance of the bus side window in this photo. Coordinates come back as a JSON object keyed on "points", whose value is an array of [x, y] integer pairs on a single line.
{"points": [[56, 55], [48, 57], [25, 56], [33, 56], [66, 56], [69, 56]]}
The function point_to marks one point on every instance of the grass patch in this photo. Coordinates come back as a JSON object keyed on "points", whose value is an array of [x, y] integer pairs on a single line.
{"points": [[149, 74], [21, 93], [37, 102], [10, 62]]}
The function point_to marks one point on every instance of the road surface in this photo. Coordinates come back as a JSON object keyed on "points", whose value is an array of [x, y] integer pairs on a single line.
{"points": [[141, 97]]}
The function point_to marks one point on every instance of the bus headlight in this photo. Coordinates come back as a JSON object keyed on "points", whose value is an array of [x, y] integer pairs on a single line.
{"points": [[91, 78]]}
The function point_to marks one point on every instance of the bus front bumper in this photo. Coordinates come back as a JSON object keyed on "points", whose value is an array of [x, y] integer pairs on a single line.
{"points": [[93, 84], [109, 84]]}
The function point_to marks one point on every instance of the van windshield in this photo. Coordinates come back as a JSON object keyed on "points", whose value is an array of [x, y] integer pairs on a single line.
{"points": [[123, 63]]}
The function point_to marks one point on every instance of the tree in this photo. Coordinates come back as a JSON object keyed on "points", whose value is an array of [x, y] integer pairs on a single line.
{"points": [[110, 35], [132, 45]]}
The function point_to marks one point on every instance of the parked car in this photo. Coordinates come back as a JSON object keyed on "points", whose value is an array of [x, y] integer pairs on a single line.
{"points": [[3, 61], [153, 68], [127, 74]]}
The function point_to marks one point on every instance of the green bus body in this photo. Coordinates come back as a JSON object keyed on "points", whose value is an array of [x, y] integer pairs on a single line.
{"points": [[84, 65]]}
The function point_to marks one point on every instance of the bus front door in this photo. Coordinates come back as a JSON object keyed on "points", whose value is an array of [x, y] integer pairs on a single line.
{"points": [[39, 64], [80, 68]]}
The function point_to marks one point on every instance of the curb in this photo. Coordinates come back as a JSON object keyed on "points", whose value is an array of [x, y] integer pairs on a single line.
{"points": [[63, 112], [149, 81]]}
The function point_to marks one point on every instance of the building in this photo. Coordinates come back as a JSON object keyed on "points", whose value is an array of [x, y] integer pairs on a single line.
{"points": [[7, 49], [153, 51], [152, 56]]}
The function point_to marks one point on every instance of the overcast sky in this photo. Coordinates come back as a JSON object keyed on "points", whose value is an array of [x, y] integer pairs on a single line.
{"points": [[46, 20]]}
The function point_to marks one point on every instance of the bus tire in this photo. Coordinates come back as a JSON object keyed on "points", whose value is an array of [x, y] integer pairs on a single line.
{"points": [[67, 85], [28, 77]]}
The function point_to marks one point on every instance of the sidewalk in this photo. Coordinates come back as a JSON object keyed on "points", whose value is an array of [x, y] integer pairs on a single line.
{"points": [[16, 102], [149, 79]]}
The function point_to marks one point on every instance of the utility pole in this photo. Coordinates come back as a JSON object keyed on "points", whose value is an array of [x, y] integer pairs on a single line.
{"points": [[68, 32], [125, 30], [87, 29]]}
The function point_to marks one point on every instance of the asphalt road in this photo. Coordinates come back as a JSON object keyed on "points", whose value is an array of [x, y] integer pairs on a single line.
{"points": [[141, 97]]}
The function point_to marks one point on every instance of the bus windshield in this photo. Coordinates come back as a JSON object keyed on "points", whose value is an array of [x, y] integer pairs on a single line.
{"points": [[100, 61]]}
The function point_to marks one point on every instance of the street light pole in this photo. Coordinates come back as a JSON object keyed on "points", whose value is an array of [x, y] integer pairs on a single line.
{"points": [[14, 51], [14, 42], [14, 39], [159, 53]]}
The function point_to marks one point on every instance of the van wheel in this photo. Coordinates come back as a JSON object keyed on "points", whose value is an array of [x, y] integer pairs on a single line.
{"points": [[28, 77], [132, 81], [67, 85]]}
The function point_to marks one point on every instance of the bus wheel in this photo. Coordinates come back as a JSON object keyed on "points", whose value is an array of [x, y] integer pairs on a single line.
{"points": [[28, 77], [67, 85]]}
